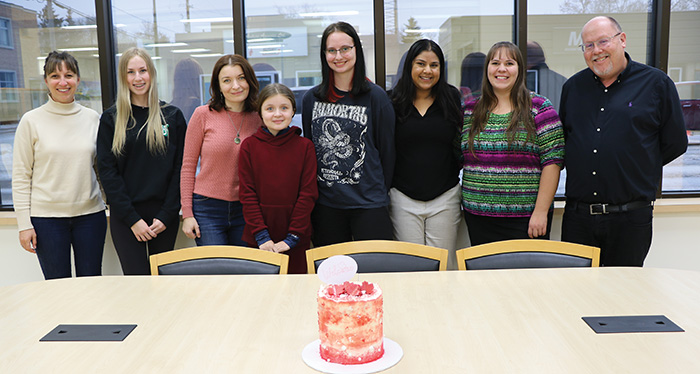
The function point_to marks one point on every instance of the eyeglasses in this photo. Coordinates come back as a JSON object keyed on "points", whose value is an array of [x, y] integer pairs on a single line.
{"points": [[344, 50], [601, 43]]}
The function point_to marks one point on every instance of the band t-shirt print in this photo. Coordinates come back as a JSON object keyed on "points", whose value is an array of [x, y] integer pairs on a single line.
{"points": [[340, 142]]}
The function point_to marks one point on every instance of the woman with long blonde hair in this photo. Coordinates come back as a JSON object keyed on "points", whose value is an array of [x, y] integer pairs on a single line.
{"points": [[139, 149]]}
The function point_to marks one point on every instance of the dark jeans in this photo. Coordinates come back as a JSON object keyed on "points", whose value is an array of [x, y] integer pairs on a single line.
{"points": [[623, 238], [133, 254], [220, 222], [54, 237], [332, 225], [484, 229]]}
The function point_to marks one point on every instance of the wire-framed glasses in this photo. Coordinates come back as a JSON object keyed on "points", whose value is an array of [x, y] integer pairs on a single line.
{"points": [[344, 50], [601, 43]]}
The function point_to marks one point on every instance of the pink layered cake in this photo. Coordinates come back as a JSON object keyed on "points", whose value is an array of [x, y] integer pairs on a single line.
{"points": [[351, 322]]}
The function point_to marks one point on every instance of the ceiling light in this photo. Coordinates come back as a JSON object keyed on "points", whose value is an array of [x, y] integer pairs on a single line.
{"points": [[331, 14], [207, 55], [165, 45], [265, 46], [191, 50], [78, 49]]}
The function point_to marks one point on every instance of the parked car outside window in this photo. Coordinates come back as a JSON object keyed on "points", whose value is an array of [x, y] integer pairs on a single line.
{"points": [[689, 93]]}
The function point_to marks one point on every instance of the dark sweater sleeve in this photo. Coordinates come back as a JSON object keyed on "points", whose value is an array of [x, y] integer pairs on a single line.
{"points": [[120, 206], [171, 204], [300, 220], [384, 134], [247, 193]]}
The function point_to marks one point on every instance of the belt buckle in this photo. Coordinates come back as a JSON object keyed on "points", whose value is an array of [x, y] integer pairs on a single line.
{"points": [[595, 212]]}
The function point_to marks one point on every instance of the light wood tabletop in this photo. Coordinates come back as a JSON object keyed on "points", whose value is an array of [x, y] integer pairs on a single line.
{"points": [[500, 321]]}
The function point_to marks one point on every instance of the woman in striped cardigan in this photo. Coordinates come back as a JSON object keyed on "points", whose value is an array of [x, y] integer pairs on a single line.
{"points": [[513, 148]]}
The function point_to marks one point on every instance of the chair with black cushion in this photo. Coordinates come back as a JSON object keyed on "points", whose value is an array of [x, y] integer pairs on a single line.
{"points": [[382, 256], [218, 259], [527, 253]]}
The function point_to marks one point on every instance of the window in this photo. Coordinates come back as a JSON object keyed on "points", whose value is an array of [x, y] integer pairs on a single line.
{"points": [[68, 25], [554, 36], [308, 78], [184, 39], [682, 174], [287, 39], [8, 85], [283, 40], [6, 33], [465, 32]]}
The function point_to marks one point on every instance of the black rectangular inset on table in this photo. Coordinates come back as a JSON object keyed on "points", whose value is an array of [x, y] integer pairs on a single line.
{"points": [[621, 324], [88, 333]]}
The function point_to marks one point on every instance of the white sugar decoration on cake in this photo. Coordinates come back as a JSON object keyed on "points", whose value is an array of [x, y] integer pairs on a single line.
{"points": [[351, 322]]}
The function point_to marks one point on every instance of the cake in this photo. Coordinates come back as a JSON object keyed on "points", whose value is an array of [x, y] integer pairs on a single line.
{"points": [[351, 322]]}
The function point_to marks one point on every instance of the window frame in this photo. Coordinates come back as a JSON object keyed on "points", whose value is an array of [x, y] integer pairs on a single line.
{"points": [[3, 97], [657, 56], [8, 30]]}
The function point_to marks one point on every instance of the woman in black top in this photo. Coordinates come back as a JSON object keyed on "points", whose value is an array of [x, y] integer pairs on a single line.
{"points": [[139, 152], [425, 194]]}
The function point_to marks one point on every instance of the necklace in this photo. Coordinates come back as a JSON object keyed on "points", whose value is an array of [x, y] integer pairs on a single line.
{"points": [[237, 140]]}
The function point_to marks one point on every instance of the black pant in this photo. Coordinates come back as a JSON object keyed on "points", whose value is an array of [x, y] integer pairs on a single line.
{"points": [[332, 225], [55, 237], [133, 254], [624, 238], [484, 229]]}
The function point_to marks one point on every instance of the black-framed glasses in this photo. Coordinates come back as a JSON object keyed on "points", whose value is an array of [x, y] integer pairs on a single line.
{"points": [[344, 50], [601, 43]]}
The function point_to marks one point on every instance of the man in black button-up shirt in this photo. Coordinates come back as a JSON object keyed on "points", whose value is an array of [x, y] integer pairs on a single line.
{"points": [[622, 123]]}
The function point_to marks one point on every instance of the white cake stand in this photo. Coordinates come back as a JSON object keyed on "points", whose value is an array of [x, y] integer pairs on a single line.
{"points": [[392, 355]]}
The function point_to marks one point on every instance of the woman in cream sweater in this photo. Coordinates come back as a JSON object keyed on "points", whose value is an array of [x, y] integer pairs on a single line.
{"points": [[54, 187]]}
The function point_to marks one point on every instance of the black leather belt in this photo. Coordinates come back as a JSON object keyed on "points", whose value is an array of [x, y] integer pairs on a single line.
{"points": [[599, 208]]}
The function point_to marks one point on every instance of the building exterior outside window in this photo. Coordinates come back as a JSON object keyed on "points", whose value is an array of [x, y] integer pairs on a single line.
{"points": [[5, 33], [8, 82], [282, 43]]}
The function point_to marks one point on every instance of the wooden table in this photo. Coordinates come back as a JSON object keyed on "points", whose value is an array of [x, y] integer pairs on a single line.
{"points": [[505, 321]]}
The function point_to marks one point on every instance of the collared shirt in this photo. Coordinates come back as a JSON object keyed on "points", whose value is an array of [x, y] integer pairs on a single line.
{"points": [[619, 137]]}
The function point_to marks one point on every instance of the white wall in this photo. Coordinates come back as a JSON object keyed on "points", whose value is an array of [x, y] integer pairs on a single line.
{"points": [[19, 266], [676, 245], [676, 241]]}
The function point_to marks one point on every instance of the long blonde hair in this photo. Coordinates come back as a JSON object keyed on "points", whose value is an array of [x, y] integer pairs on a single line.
{"points": [[155, 140]]}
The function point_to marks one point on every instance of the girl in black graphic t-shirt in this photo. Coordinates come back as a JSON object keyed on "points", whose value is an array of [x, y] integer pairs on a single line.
{"points": [[351, 123]]}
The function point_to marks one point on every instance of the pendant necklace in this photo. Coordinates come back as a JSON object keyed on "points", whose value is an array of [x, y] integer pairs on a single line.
{"points": [[237, 140]]}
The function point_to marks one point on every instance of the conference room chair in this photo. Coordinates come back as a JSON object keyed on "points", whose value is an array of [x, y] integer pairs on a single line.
{"points": [[527, 253], [218, 259], [381, 256]]}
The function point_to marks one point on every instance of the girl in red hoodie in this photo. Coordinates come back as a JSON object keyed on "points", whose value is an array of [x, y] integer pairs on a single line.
{"points": [[277, 172]]}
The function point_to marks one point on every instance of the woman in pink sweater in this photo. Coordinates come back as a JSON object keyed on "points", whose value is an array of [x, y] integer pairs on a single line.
{"points": [[211, 208]]}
